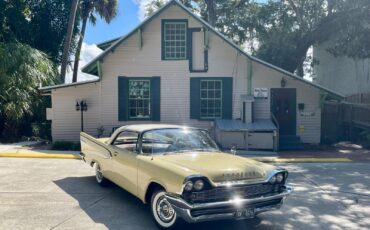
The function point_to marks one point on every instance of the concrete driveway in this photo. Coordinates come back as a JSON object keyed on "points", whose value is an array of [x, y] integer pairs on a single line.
{"points": [[62, 194]]}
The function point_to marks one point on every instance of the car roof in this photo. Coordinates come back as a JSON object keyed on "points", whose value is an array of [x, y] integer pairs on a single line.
{"points": [[145, 127]]}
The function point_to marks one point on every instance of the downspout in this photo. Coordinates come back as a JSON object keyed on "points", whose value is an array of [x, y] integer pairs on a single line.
{"points": [[100, 74], [249, 93], [249, 77]]}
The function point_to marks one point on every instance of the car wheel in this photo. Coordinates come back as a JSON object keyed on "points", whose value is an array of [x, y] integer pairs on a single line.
{"points": [[99, 175], [162, 211]]}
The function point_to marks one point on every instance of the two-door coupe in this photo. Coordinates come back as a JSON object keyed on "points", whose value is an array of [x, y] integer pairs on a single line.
{"points": [[181, 173]]}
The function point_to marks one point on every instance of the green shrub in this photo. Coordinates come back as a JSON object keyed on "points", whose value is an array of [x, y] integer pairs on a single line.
{"points": [[42, 130], [66, 145]]}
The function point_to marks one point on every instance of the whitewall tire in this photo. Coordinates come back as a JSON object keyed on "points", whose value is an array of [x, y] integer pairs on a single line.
{"points": [[99, 175], [162, 211]]}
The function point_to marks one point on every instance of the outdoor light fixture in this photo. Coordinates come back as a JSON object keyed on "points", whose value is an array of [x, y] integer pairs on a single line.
{"points": [[283, 82], [81, 106]]}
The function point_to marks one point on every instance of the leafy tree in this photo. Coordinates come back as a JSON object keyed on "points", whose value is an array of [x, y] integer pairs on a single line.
{"points": [[22, 69], [40, 24], [89, 9], [31, 36], [292, 26]]}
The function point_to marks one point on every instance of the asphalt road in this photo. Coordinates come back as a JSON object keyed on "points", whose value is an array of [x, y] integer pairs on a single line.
{"points": [[62, 194]]}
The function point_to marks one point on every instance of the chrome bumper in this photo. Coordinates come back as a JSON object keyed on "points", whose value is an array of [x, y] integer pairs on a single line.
{"points": [[260, 204]]}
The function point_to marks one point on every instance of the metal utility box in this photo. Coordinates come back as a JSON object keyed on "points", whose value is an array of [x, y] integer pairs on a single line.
{"points": [[259, 135]]}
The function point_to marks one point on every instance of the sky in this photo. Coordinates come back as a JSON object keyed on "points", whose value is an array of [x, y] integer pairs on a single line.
{"points": [[129, 14]]}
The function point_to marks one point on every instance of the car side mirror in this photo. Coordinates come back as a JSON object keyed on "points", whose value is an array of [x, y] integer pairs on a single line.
{"points": [[233, 149]]}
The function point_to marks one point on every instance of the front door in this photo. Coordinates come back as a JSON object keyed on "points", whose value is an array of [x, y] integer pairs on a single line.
{"points": [[283, 106]]}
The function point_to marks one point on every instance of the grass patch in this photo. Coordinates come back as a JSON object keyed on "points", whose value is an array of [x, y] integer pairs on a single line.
{"points": [[66, 145]]}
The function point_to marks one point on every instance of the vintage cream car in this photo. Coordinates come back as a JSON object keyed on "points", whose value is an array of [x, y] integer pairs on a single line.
{"points": [[182, 173]]}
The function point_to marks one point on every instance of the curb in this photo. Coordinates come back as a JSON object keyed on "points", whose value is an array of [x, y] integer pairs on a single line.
{"points": [[42, 155], [303, 160]]}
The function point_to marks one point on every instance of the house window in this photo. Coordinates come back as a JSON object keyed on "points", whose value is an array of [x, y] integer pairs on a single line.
{"points": [[210, 99], [139, 99], [174, 39]]}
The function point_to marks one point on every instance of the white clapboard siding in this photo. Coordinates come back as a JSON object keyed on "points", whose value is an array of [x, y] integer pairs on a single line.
{"points": [[129, 60], [66, 123], [264, 77]]}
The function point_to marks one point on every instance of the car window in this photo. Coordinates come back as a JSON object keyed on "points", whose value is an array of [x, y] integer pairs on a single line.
{"points": [[126, 140], [177, 140]]}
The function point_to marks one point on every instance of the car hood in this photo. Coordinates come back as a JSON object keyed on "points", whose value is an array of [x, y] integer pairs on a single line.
{"points": [[219, 167]]}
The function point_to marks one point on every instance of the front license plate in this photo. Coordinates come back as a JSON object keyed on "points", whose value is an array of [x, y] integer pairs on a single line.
{"points": [[244, 213]]}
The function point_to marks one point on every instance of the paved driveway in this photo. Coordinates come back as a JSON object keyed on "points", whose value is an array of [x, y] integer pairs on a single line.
{"points": [[62, 194]]}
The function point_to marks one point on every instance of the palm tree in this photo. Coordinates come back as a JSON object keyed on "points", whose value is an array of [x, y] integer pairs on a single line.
{"points": [[106, 9], [68, 40], [22, 70]]}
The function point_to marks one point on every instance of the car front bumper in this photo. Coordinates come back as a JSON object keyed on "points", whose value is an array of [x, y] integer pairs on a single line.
{"points": [[231, 209]]}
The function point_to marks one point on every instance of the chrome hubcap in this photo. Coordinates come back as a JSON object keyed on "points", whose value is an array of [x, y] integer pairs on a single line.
{"points": [[165, 210], [99, 175]]}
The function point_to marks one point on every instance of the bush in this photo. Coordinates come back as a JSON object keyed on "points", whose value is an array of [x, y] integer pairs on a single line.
{"points": [[66, 145], [42, 130]]}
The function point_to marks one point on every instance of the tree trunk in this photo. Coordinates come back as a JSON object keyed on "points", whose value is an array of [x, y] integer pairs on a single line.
{"points": [[68, 39], [78, 51], [211, 12]]}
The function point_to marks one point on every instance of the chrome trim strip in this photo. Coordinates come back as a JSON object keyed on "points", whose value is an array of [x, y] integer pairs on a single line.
{"points": [[183, 208], [232, 183], [247, 182], [183, 204]]}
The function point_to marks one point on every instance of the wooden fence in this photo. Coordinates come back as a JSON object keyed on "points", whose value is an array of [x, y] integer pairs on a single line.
{"points": [[360, 98], [341, 120]]}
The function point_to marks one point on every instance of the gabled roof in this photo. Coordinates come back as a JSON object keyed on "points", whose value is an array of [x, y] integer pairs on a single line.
{"points": [[106, 44], [93, 65]]}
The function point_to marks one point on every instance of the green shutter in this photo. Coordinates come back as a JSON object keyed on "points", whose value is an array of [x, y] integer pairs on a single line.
{"points": [[122, 98], [155, 91], [227, 98], [194, 98]]}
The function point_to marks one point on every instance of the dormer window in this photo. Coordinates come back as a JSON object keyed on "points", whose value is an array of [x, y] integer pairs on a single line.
{"points": [[174, 40]]}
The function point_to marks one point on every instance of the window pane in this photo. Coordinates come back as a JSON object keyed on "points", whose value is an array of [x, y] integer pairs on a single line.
{"points": [[210, 99], [175, 40], [139, 99]]}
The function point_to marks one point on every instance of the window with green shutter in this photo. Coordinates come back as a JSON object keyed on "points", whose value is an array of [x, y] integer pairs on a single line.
{"points": [[174, 39], [139, 98], [211, 98]]}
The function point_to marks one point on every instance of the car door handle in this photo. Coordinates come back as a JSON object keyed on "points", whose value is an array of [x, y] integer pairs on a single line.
{"points": [[115, 154]]}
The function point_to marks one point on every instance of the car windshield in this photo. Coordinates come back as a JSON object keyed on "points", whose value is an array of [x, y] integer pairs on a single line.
{"points": [[177, 140]]}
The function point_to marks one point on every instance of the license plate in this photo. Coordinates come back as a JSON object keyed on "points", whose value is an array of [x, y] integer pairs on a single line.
{"points": [[244, 213]]}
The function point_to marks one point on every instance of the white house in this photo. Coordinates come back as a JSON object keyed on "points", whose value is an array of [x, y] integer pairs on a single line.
{"points": [[175, 68], [342, 74]]}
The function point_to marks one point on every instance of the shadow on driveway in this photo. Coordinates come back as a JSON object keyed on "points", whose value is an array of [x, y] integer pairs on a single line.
{"points": [[117, 209]]}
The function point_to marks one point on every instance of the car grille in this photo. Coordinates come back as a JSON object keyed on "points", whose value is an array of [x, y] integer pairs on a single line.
{"points": [[226, 193], [232, 208]]}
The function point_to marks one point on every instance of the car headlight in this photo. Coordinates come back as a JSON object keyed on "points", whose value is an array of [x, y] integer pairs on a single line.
{"points": [[279, 177], [198, 185], [188, 186], [273, 179]]}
